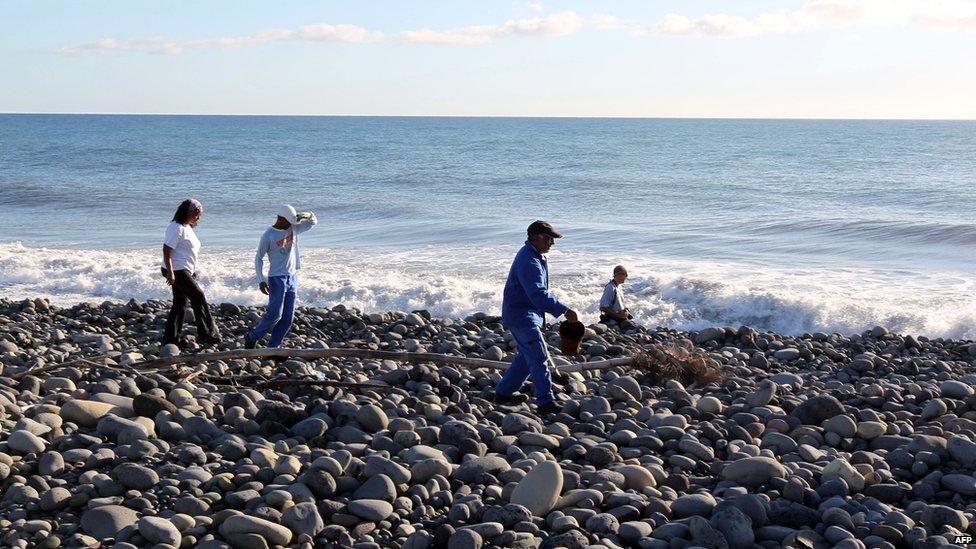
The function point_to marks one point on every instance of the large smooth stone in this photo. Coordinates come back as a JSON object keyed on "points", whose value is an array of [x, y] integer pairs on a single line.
{"points": [[842, 425], [377, 487], [106, 521], [763, 394], [735, 525], [378, 465], [158, 530], [238, 526], [147, 405], [961, 484], [373, 510], [310, 428], [26, 442], [814, 410], [303, 518], [574, 497], [465, 538], [539, 490], [625, 388], [135, 476], [637, 477], [962, 450], [846, 471], [937, 516], [693, 505], [473, 468], [955, 389], [710, 405], [787, 354], [753, 471], [372, 418], [55, 499], [85, 413], [422, 471], [421, 452]]}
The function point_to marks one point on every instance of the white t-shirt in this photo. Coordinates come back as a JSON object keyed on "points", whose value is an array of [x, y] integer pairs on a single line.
{"points": [[613, 298], [185, 245]]}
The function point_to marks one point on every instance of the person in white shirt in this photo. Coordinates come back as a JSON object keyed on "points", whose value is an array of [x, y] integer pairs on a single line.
{"points": [[180, 249], [612, 308]]}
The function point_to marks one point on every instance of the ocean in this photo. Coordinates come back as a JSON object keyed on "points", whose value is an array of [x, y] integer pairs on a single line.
{"points": [[786, 225]]}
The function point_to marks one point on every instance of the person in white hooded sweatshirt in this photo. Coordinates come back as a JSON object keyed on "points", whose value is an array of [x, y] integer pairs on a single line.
{"points": [[280, 244]]}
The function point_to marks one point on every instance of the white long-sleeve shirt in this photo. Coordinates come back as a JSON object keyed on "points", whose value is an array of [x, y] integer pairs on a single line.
{"points": [[281, 247]]}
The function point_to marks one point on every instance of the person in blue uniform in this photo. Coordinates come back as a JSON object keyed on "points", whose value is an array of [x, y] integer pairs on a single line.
{"points": [[525, 302]]}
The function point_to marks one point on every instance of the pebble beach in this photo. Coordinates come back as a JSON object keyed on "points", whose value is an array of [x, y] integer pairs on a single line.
{"points": [[813, 440]]}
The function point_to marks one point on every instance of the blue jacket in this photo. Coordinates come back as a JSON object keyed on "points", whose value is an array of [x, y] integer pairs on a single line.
{"points": [[527, 297]]}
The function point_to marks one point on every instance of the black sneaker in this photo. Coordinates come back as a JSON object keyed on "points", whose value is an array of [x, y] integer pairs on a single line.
{"points": [[212, 341], [248, 342], [511, 400], [550, 408]]}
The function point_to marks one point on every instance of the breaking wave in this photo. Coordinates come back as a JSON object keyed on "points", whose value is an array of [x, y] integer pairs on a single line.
{"points": [[456, 282]]}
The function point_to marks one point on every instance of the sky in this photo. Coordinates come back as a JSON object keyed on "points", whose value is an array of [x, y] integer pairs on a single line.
{"points": [[640, 58]]}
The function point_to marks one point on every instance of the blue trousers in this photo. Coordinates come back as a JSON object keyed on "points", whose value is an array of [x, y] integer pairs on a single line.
{"points": [[532, 359], [281, 310]]}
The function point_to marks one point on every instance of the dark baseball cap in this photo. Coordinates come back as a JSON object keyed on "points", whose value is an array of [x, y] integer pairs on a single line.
{"points": [[543, 227]]}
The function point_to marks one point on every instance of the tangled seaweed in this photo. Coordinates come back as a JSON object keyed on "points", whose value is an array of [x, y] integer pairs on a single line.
{"points": [[685, 364]]}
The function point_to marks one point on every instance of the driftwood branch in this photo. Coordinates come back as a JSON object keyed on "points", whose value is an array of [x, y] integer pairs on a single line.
{"points": [[275, 383], [595, 365], [320, 354], [188, 376], [662, 362], [51, 367], [396, 356]]}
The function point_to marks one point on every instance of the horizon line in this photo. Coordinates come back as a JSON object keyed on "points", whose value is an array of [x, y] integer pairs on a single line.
{"points": [[527, 116]]}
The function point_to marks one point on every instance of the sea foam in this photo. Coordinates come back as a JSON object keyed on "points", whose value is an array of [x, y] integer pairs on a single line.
{"points": [[686, 295]]}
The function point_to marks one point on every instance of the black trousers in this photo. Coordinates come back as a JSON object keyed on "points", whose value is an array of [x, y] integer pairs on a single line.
{"points": [[185, 288]]}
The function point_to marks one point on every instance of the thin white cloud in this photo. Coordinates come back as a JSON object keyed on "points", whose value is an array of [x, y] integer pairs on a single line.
{"points": [[812, 14], [605, 21], [536, 7], [160, 45], [335, 33], [563, 23], [557, 24], [727, 26]]}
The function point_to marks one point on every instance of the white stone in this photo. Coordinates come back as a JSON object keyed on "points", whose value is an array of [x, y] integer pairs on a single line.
{"points": [[710, 405], [846, 471], [539, 490]]}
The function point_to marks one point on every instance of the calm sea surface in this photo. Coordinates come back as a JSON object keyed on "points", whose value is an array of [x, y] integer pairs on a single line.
{"points": [[787, 225]]}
